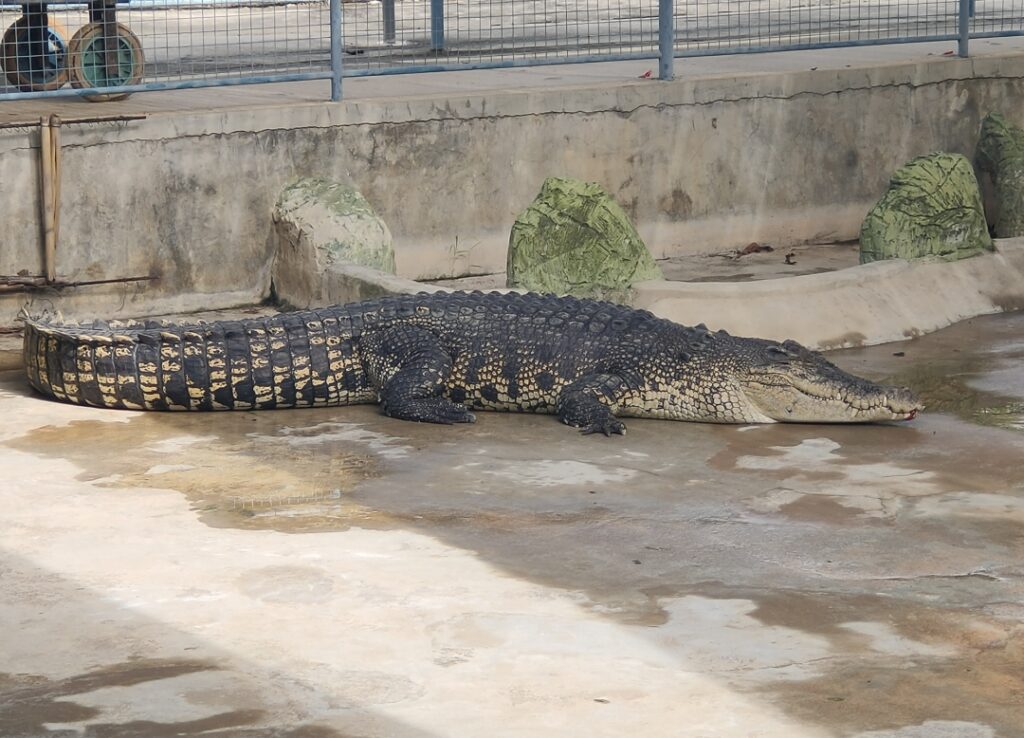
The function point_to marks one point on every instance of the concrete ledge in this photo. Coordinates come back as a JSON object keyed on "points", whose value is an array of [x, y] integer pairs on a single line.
{"points": [[350, 283], [874, 303]]}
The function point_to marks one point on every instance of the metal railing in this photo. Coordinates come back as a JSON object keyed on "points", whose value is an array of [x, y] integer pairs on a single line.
{"points": [[104, 49]]}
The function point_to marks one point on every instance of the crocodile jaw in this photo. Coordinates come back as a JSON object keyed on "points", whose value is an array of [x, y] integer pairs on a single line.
{"points": [[802, 400]]}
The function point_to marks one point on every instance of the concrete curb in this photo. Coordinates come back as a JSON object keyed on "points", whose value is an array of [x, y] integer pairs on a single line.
{"points": [[351, 283], [864, 305]]}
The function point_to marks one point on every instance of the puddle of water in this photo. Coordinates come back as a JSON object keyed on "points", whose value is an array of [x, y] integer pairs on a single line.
{"points": [[32, 704], [935, 729], [818, 468], [560, 473], [915, 663], [971, 370], [960, 388], [119, 700], [251, 474]]}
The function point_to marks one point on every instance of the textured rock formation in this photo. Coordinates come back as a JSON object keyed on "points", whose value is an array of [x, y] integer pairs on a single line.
{"points": [[1000, 153], [320, 224], [932, 208], [575, 238]]}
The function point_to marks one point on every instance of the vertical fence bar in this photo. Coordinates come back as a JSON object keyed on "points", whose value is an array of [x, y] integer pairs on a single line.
{"points": [[335, 50], [388, 11], [437, 25], [666, 39], [964, 31]]}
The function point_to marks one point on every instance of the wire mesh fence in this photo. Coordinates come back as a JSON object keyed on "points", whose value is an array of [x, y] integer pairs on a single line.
{"points": [[780, 24], [104, 44], [109, 47], [996, 17], [497, 32]]}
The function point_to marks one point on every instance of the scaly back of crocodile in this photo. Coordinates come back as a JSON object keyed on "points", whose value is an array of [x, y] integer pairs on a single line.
{"points": [[511, 352], [432, 358]]}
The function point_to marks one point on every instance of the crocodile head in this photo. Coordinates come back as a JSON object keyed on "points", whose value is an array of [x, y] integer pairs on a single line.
{"points": [[789, 383]]}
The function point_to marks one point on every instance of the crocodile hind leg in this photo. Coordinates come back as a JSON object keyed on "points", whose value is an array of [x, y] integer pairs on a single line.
{"points": [[587, 404], [409, 368]]}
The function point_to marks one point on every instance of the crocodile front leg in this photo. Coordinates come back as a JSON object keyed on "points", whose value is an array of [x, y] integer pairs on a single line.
{"points": [[410, 368], [587, 403]]}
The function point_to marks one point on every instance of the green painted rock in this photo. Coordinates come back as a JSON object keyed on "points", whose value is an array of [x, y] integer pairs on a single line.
{"points": [[932, 208], [320, 224], [1001, 154], [575, 238]]}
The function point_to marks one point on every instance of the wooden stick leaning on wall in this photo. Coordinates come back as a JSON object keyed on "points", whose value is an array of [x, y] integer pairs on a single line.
{"points": [[46, 204], [55, 154], [49, 168]]}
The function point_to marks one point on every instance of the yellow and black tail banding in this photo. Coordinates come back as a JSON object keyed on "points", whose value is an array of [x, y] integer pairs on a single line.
{"points": [[291, 360]]}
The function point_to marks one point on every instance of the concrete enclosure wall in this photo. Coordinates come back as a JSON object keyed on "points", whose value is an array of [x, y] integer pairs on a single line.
{"points": [[700, 165]]}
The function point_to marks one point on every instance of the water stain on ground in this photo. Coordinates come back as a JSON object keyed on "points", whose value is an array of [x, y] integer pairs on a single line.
{"points": [[240, 470], [946, 387], [970, 370], [865, 696], [31, 703], [949, 455], [37, 707], [251, 471], [897, 662], [817, 509]]}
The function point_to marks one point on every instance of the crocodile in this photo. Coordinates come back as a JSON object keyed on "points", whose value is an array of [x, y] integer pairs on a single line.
{"points": [[437, 357]]}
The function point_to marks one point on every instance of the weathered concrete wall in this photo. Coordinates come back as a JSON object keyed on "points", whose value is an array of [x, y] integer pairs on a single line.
{"points": [[700, 164]]}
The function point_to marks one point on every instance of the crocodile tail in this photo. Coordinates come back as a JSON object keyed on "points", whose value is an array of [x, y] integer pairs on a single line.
{"points": [[295, 360]]}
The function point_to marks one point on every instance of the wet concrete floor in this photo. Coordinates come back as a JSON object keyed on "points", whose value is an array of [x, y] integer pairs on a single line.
{"points": [[337, 573]]}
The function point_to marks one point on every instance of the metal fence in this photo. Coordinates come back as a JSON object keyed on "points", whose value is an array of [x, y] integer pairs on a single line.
{"points": [[105, 49]]}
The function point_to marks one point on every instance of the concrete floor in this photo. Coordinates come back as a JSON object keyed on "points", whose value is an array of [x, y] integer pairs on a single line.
{"points": [[334, 573]]}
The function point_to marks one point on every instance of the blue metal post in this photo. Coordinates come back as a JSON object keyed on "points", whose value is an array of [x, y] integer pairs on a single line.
{"points": [[666, 39], [964, 31], [437, 25], [335, 50]]}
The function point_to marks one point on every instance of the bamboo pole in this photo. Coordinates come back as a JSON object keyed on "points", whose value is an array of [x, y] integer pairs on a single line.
{"points": [[55, 170], [46, 173]]}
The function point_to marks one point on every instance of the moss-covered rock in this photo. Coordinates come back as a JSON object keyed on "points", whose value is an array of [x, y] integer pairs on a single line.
{"points": [[1000, 153], [932, 208], [338, 222], [319, 224], [575, 238]]}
